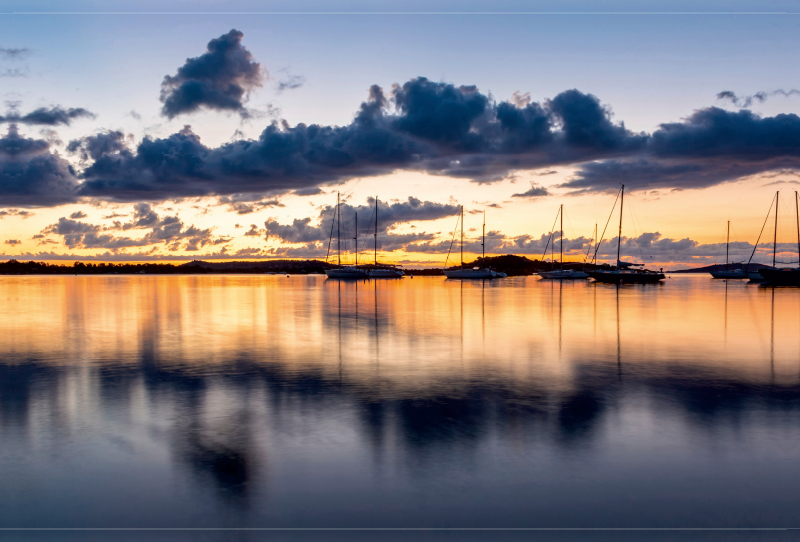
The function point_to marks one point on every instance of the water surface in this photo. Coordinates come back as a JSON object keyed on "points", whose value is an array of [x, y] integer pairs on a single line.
{"points": [[274, 401]]}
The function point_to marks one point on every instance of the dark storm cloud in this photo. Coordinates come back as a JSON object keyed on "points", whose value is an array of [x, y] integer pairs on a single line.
{"points": [[437, 128], [220, 79], [53, 116], [710, 147], [434, 127], [31, 175]]}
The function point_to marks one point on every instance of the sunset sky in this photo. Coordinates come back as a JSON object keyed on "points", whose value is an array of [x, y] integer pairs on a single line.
{"points": [[147, 131]]}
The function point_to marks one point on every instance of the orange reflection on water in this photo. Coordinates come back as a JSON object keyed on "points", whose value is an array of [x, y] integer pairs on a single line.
{"points": [[409, 335]]}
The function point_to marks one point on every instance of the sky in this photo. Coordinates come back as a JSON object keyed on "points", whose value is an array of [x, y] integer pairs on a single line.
{"points": [[175, 131]]}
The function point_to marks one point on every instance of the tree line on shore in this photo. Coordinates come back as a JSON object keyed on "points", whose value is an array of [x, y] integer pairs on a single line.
{"points": [[510, 264]]}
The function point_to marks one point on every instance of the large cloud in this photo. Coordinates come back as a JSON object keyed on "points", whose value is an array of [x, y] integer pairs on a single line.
{"points": [[438, 128], [220, 79], [711, 146], [31, 175], [434, 127]]}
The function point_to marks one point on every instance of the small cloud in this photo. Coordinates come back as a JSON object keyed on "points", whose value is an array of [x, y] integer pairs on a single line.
{"points": [[13, 242], [15, 53], [519, 99], [16, 212], [291, 82], [535, 191], [78, 214]]}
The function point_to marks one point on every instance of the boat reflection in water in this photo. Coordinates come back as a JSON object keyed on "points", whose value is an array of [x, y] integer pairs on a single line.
{"points": [[265, 401]]}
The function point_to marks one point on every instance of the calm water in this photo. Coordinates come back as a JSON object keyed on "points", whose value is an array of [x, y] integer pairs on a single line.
{"points": [[267, 401]]}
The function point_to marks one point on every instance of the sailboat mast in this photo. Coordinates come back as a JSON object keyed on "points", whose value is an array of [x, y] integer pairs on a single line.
{"points": [[355, 239], [619, 243], [483, 238], [727, 244], [561, 249], [462, 236], [376, 230], [775, 233], [338, 230]]}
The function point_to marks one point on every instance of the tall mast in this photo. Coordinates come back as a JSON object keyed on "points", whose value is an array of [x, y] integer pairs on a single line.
{"points": [[376, 230], [483, 238], [561, 256], [727, 244], [619, 243], [462, 236], [355, 239], [338, 230], [775, 234]]}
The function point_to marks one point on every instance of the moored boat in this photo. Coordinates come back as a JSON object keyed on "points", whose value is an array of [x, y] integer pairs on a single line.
{"points": [[784, 276], [462, 272], [562, 274], [728, 273], [622, 273], [781, 277], [343, 271], [382, 271], [347, 272]]}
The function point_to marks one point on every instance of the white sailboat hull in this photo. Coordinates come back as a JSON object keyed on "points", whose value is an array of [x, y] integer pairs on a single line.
{"points": [[347, 273]]}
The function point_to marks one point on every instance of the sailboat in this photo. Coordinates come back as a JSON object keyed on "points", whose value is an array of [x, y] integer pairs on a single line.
{"points": [[385, 271], [785, 277], [563, 274], [623, 273], [348, 271], [756, 276], [728, 273], [462, 272]]}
